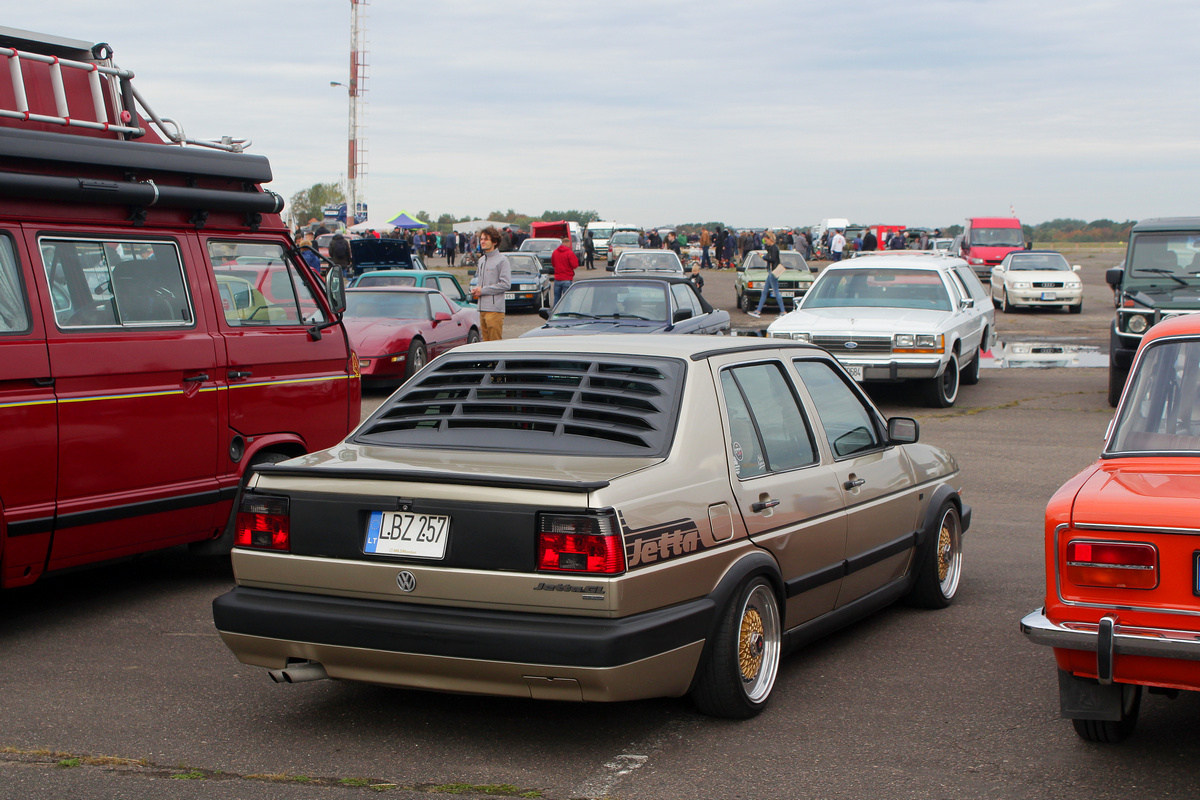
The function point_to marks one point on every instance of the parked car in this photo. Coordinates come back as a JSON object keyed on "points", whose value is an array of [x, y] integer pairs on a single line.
{"points": [[540, 248], [621, 241], [1122, 606], [546, 519], [139, 376], [752, 278], [893, 316], [530, 282], [1160, 279], [1036, 278], [987, 240], [368, 254], [395, 330], [647, 304], [663, 262], [444, 282]]}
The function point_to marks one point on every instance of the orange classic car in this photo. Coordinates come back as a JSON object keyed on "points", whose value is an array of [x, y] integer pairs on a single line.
{"points": [[1122, 605]]}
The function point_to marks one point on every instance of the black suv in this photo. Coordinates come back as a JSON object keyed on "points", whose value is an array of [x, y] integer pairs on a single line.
{"points": [[1160, 279]]}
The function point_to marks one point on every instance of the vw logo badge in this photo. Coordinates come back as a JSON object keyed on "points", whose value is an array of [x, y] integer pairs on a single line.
{"points": [[851, 345], [406, 581]]}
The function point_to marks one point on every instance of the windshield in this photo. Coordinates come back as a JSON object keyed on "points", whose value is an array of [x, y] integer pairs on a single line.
{"points": [[539, 245], [599, 233], [788, 258], [1028, 262], [1162, 404], [624, 237], [611, 299], [519, 264], [1166, 254], [386, 280], [652, 261], [393, 305], [997, 237], [876, 288]]}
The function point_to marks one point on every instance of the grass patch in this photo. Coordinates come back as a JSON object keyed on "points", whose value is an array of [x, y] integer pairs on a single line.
{"points": [[502, 789], [190, 775], [354, 782], [67, 763]]}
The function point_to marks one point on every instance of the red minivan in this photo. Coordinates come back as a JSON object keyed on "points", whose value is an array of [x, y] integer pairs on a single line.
{"points": [[987, 240], [141, 370]]}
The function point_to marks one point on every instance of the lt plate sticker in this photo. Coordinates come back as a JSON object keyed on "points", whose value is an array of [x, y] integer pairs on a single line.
{"points": [[394, 533]]}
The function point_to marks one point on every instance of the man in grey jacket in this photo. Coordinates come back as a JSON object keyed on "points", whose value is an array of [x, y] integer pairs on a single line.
{"points": [[493, 280]]}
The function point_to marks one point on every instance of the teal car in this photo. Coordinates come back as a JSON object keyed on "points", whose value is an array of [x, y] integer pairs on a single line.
{"points": [[444, 282], [752, 278]]}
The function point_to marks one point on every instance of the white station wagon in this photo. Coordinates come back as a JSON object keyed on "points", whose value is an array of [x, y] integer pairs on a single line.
{"points": [[899, 316]]}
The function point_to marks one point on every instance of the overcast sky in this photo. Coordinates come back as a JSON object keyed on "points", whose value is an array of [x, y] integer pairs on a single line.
{"points": [[760, 112]]}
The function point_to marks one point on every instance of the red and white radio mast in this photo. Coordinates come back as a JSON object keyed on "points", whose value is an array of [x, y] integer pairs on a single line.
{"points": [[356, 161]]}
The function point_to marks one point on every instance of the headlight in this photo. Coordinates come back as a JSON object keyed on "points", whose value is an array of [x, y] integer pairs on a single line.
{"points": [[1022, 285], [1137, 323], [974, 260], [754, 285], [802, 337], [917, 343], [903, 340], [779, 334]]}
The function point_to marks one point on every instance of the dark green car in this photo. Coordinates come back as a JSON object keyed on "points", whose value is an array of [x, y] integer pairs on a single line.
{"points": [[444, 282], [752, 277]]}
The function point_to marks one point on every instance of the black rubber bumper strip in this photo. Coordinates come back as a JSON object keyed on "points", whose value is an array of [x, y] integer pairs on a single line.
{"points": [[551, 639]]}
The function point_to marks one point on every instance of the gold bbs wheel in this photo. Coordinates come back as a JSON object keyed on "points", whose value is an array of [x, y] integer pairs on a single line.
{"points": [[737, 673], [759, 641], [949, 553]]}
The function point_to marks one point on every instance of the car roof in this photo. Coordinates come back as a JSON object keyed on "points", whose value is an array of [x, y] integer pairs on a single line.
{"points": [[692, 348], [408, 289], [415, 273], [897, 259], [1182, 325], [1168, 224]]}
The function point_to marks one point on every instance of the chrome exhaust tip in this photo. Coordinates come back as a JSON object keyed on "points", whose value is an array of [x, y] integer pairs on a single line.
{"points": [[299, 672]]}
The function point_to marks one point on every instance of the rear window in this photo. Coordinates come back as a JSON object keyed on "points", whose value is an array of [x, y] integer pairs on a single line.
{"points": [[539, 403]]}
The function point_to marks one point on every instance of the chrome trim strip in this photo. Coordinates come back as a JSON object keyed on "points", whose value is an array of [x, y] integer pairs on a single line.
{"points": [[1138, 529], [1126, 640]]}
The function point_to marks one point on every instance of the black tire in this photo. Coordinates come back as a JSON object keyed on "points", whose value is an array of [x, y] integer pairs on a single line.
{"points": [[744, 302], [1105, 731], [418, 356], [1116, 381], [995, 302], [942, 391], [940, 570], [473, 336], [741, 662], [1007, 306], [1076, 309]]}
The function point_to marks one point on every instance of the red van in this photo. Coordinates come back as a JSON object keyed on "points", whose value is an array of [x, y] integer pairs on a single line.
{"points": [[158, 333], [987, 240]]}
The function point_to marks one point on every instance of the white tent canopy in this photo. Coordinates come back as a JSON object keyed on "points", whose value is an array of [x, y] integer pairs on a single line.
{"points": [[367, 225], [475, 225]]}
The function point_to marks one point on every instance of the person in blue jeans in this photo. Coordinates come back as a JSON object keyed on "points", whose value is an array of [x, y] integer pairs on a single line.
{"points": [[772, 259]]}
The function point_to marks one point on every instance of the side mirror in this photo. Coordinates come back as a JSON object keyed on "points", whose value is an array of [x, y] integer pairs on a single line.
{"points": [[1076, 268], [903, 430], [681, 314], [1113, 276], [335, 289], [471, 273], [966, 303], [441, 316], [611, 268], [544, 313]]}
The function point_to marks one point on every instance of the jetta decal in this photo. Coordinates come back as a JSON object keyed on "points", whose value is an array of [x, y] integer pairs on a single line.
{"points": [[666, 540]]}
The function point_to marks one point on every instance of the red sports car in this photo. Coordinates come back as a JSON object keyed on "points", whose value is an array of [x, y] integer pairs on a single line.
{"points": [[1122, 604], [396, 330]]}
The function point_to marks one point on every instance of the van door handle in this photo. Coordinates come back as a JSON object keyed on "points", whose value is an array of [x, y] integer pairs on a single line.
{"points": [[238, 374], [856, 482], [764, 505], [201, 378]]}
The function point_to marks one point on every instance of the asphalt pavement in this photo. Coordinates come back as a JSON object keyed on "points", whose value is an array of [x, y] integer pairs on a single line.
{"points": [[114, 684]]}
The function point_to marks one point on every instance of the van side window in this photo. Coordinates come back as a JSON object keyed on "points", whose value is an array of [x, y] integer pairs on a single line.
{"points": [[259, 285], [116, 283], [14, 306]]}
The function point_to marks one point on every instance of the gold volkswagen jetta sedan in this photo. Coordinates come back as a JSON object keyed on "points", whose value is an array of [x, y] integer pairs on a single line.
{"points": [[595, 518]]}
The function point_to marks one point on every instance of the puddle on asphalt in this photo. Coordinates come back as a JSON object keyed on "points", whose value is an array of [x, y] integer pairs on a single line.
{"points": [[1008, 353]]}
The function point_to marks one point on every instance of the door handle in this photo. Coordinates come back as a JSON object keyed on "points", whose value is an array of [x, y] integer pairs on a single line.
{"points": [[856, 482], [201, 378], [763, 505], [43, 381], [236, 374]]}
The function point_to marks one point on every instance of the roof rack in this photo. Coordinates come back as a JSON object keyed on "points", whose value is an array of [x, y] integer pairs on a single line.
{"points": [[57, 54]]}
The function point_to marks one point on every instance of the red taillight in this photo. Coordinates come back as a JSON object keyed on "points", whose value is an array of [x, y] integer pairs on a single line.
{"points": [[263, 522], [1116, 565], [580, 543]]}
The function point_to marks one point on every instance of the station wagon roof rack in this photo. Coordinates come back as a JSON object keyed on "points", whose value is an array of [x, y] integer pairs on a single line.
{"points": [[114, 111]]}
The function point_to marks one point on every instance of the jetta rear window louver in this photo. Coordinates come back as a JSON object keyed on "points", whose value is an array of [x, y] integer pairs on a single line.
{"points": [[579, 405]]}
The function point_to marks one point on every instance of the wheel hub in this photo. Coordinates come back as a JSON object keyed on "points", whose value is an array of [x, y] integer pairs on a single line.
{"points": [[944, 553], [751, 645]]}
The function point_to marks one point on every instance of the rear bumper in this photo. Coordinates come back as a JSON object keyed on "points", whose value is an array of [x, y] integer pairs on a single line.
{"points": [[1121, 640], [469, 650]]}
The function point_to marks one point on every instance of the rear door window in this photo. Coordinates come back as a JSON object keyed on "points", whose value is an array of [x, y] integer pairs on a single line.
{"points": [[767, 430], [116, 283], [259, 285], [14, 305]]}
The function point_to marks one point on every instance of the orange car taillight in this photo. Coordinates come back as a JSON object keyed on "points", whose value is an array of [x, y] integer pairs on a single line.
{"points": [[263, 522], [1116, 565], [580, 543]]}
